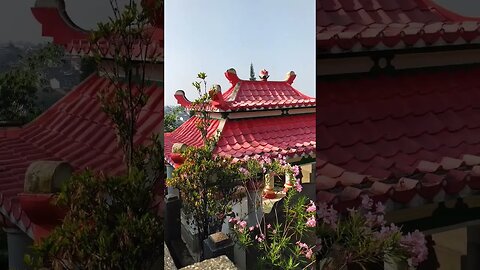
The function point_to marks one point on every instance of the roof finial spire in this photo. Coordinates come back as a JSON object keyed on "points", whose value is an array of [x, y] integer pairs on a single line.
{"points": [[264, 75], [252, 73]]}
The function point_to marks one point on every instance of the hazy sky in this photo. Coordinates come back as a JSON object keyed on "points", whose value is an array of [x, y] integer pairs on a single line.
{"points": [[213, 36], [18, 24]]}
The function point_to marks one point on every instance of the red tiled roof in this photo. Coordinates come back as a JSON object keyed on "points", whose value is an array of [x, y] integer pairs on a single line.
{"points": [[265, 95], [290, 136], [414, 134], [188, 134], [74, 130], [246, 95], [56, 24], [389, 24]]}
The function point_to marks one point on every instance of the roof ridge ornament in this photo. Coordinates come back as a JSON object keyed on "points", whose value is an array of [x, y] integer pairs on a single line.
{"points": [[232, 77], [290, 77], [216, 95], [182, 99], [264, 75], [56, 23]]}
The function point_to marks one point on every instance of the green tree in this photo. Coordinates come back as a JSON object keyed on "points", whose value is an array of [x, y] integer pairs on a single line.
{"points": [[112, 221], [252, 73], [172, 118], [19, 85], [206, 181]]}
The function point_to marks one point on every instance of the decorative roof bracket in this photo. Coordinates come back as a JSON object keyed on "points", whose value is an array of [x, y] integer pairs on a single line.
{"points": [[56, 23]]}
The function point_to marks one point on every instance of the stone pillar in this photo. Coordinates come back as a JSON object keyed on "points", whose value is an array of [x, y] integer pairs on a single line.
{"points": [[172, 219], [173, 208], [216, 245], [473, 248], [18, 245]]}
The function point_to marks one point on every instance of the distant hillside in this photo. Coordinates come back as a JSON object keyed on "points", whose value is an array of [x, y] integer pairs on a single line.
{"points": [[60, 79]]}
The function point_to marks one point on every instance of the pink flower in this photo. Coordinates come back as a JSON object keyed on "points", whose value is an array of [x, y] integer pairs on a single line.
{"points": [[298, 186], [260, 238], [416, 244], [296, 170], [232, 220], [327, 215], [311, 222], [304, 249], [386, 231], [367, 203], [380, 208], [309, 253], [244, 171], [269, 226], [242, 224], [251, 228], [311, 207], [302, 245]]}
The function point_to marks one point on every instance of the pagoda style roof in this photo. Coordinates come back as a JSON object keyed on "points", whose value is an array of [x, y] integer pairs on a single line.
{"points": [[57, 24], [74, 130], [407, 138], [246, 95], [362, 25], [257, 118]]}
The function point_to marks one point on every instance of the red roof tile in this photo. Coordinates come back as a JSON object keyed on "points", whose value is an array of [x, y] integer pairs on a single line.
{"points": [[57, 24], [74, 130], [188, 134], [251, 95], [356, 25], [423, 140], [246, 95], [291, 136], [256, 133]]}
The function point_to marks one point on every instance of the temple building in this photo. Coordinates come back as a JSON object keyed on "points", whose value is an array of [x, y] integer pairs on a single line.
{"points": [[72, 135], [398, 118], [251, 118]]}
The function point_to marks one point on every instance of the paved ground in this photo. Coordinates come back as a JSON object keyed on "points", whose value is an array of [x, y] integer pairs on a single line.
{"points": [[219, 263]]}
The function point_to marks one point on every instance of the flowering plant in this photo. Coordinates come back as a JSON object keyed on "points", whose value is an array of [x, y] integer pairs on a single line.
{"points": [[362, 238], [282, 243], [207, 185]]}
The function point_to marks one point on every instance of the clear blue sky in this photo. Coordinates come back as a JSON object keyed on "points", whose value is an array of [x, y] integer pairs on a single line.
{"points": [[215, 35]]}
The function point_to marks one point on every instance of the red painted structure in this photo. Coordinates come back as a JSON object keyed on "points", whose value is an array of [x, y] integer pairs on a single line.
{"points": [[74, 130], [252, 119], [356, 25], [404, 137]]}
